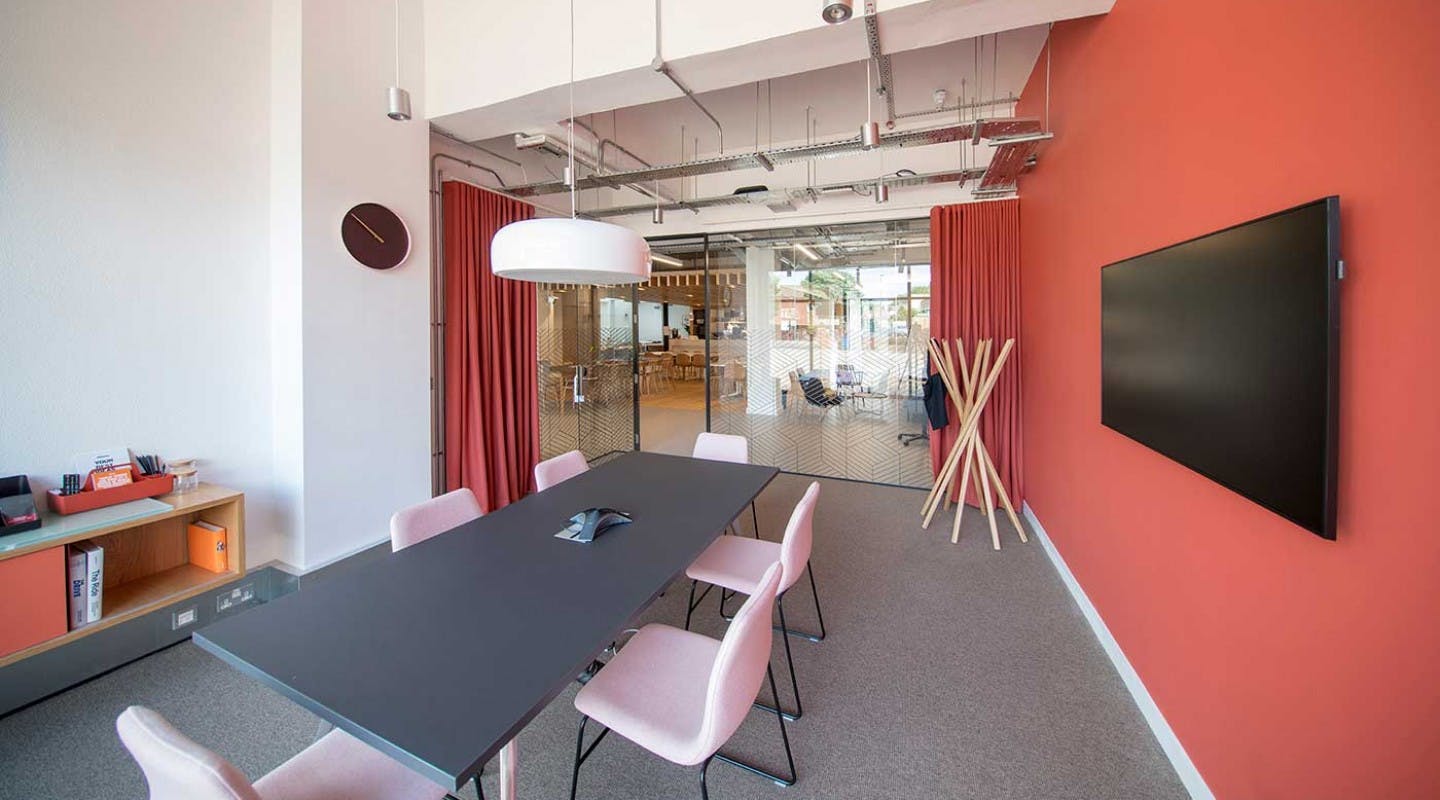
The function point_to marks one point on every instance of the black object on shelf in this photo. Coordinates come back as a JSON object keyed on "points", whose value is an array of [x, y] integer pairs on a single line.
{"points": [[16, 502]]}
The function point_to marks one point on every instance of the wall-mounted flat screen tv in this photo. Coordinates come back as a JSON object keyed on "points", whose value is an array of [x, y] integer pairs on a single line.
{"points": [[1222, 353]]}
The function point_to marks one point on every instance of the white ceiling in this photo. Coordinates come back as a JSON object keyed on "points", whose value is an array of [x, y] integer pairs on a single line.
{"points": [[763, 97]]}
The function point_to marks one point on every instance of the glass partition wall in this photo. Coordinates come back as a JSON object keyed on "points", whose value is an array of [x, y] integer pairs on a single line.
{"points": [[586, 358], [808, 341]]}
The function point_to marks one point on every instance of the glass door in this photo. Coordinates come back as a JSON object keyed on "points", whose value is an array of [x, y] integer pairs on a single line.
{"points": [[672, 335], [585, 344]]}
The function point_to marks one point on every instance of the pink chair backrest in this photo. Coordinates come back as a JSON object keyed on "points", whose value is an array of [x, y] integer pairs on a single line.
{"points": [[175, 767], [558, 469], [722, 447], [799, 535], [439, 514], [739, 667]]}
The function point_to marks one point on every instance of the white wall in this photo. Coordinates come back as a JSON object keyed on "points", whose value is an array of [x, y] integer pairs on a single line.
{"points": [[134, 287], [172, 180], [365, 399]]}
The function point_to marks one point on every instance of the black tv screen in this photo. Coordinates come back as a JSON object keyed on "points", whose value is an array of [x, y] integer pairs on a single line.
{"points": [[1222, 353]]}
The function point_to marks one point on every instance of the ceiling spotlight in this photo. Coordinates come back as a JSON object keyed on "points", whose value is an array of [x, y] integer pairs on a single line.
{"points": [[882, 193], [835, 12], [870, 135], [399, 98], [658, 215], [399, 104]]}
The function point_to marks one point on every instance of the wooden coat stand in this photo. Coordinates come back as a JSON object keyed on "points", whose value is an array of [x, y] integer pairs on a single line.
{"points": [[968, 393]]}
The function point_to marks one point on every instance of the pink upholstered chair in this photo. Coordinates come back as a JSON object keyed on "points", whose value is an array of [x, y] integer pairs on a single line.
{"points": [[682, 695], [722, 447], [558, 469], [434, 516], [337, 766], [737, 564], [726, 447]]}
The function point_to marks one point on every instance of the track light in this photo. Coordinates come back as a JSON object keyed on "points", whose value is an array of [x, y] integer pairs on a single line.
{"points": [[882, 193], [835, 12], [810, 254], [666, 260]]}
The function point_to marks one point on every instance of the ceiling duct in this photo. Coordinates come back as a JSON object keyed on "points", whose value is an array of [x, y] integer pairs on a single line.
{"points": [[767, 159], [781, 200]]}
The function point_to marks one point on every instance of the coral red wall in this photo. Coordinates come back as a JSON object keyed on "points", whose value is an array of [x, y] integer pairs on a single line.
{"points": [[1288, 666]]}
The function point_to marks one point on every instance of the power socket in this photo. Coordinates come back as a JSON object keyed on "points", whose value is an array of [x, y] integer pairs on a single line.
{"points": [[180, 619], [238, 596]]}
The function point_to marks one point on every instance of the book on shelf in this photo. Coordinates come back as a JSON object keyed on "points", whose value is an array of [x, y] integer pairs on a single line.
{"points": [[77, 580], [86, 581]]}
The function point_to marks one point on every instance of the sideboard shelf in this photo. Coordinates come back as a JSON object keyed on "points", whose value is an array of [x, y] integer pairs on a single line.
{"points": [[147, 564]]}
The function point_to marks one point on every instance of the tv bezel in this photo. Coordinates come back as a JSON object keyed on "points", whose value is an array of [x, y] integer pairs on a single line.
{"points": [[1332, 365]]}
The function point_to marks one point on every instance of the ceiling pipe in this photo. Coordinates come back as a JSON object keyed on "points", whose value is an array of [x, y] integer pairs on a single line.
{"points": [[871, 187], [657, 193], [444, 134], [767, 159], [664, 69]]}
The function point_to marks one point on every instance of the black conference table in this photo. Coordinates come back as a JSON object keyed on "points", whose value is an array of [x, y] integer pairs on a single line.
{"points": [[438, 655]]}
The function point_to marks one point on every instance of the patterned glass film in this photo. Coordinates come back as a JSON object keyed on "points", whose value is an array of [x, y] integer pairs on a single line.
{"points": [[731, 329], [585, 352], [849, 324]]}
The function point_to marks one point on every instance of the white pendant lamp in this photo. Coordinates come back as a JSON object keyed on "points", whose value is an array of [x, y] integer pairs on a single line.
{"points": [[570, 250]]}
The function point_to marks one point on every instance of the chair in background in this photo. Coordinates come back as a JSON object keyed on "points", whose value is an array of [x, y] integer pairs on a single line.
{"points": [[737, 564], [817, 395], [560, 468], [337, 765], [795, 397], [438, 514], [726, 447], [871, 391], [682, 695]]}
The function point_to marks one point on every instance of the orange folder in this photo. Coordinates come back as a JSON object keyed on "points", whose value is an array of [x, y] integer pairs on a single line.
{"points": [[207, 546]]}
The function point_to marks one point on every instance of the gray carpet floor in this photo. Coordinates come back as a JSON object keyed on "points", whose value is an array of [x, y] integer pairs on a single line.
{"points": [[950, 671]]}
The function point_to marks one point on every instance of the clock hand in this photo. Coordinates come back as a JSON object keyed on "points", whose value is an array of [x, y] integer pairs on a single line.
{"points": [[368, 228]]}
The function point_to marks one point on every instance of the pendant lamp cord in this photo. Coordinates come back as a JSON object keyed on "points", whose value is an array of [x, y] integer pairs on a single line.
{"points": [[397, 42], [572, 110]]}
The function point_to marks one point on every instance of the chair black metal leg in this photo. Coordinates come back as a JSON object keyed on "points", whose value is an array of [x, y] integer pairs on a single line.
{"points": [[815, 593], [790, 659], [704, 790], [784, 736], [580, 757], [809, 637], [755, 519], [690, 604]]}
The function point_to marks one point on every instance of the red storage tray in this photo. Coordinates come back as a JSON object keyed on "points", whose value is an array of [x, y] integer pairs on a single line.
{"points": [[141, 486]]}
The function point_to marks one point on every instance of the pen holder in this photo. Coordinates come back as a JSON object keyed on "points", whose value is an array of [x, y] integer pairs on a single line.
{"points": [[17, 486], [89, 499]]}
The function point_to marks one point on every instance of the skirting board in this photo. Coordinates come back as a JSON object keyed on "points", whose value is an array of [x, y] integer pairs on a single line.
{"points": [[1179, 759]]}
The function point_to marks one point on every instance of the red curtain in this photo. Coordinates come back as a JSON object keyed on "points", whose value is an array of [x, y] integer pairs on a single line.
{"points": [[492, 413], [975, 294]]}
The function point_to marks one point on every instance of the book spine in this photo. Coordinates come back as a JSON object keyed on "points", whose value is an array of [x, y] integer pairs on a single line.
{"points": [[78, 578], [95, 566]]}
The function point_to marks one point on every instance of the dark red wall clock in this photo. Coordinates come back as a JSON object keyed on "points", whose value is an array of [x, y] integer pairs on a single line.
{"points": [[375, 236]]}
